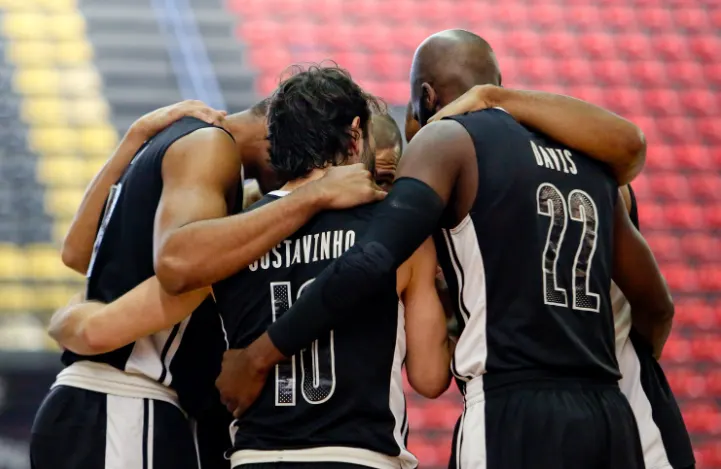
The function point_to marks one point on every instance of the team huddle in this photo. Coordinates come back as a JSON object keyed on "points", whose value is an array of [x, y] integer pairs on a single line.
{"points": [[288, 317]]}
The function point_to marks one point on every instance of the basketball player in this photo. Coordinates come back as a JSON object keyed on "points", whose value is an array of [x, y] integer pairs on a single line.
{"points": [[664, 437], [389, 147], [412, 124], [339, 403], [130, 404], [531, 230]]}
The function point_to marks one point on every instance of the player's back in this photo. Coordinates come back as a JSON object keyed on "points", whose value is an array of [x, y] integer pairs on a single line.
{"points": [[531, 264], [186, 357], [341, 397]]}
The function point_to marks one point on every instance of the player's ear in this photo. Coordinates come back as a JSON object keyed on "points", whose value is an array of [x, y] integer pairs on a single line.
{"points": [[356, 132], [430, 98]]}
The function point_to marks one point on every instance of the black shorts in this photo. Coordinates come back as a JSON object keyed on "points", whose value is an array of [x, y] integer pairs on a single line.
{"points": [[79, 429], [547, 427]]}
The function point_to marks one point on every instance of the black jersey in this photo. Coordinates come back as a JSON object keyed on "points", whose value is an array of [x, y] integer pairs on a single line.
{"points": [[187, 356], [530, 266], [344, 390]]}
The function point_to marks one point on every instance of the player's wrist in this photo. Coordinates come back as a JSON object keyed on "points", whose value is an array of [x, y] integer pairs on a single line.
{"points": [[315, 196], [263, 354]]}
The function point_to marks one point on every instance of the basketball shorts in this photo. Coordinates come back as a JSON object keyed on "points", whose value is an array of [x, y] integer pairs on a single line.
{"points": [[79, 429], [559, 426]]}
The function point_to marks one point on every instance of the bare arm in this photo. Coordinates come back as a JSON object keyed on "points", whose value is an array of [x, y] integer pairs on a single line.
{"points": [[428, 356], [196, 245], [77, 247], [429, 170], [91, 328], [636, 273], [578, 124]]}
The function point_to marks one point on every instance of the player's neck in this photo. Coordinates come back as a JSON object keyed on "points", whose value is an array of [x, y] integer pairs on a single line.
{"points": [[314, 175]]}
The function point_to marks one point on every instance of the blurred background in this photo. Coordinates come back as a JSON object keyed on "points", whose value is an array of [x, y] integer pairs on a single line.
{"points": [[74, 74]]}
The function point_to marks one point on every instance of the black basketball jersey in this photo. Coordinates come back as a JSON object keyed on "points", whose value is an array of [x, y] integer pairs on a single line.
{"points": [[344, 390], [530, 266], [187, 356], [665, 410]]}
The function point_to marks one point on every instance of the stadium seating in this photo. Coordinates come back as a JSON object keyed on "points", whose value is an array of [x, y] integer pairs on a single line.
{"points": [[652, 61], [57, 136]]}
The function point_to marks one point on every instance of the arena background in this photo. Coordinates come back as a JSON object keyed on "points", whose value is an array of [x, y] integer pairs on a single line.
{"points": [[75, 73]]}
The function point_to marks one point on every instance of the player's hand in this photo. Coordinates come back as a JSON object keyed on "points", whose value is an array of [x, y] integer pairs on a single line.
{"points": [[347, 186], [239, 382], [153, 122], [477, 98]]}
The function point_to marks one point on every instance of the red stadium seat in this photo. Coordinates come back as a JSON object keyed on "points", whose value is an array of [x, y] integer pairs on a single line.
{"points": [[272, 60], [710, 281], [655, 19], [695, 313], [662, 101], [522, 43], [648, 73], [701, 246], [705, 47], [703, 417], [712, 73], [340, 36], [651, 216], [705, 186], [357, 63], [598, 45], [675, 129], [669, 186], [702, 102], [713, 216], [684, 216], [611, 72], [582, 17], [665, 246], [562, 44], [634, 46], [620, 17], [547, 15], [692, 19], [710, 130], [573, 71], [670, 46], [677, 349], [692, 157], [390, 65], [680, 277]]}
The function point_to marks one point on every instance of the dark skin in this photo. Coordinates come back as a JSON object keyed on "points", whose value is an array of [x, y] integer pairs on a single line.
{"points": [[442, 155]]}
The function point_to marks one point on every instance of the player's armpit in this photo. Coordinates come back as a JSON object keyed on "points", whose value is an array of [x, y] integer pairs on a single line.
{"points": [[428, 355], [636, 273], [92, 328], [200, 172]]}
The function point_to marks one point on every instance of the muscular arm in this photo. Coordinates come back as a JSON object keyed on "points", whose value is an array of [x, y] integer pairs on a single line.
{"points": [[428, 356], [195, 244], [578, 124], [636, 273], [91, 328], [77, 247], [427, 176]]}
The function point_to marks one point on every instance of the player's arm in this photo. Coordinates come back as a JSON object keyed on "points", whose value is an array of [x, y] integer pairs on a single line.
{"points": [[77, 247], [636, 273], [91, 328], [426, 178], [428, 356], [578, 124], [195, 243]]}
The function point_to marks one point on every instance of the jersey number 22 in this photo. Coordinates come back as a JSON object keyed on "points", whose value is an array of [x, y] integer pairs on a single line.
{"points": [[582, 209], [317, 364]]}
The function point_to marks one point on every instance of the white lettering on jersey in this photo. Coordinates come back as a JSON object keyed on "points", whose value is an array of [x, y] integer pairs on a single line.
{"points": [[554, 158], [306, 250]]}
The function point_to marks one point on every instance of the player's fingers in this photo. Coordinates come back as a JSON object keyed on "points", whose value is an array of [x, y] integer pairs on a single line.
{"points": [[379, 194]]}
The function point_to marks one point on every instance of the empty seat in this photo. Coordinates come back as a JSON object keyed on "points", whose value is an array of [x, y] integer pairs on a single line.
{"points": [[25, 24], [44, 110], [62, 171], [63, 202], [53, 140], [701, 246], [97, 140], [44, 263], [36, 81], [67, 25], [16, 298], [12, 262]]}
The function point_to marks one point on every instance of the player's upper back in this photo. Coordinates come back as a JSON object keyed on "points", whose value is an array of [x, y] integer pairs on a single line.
{"points": [[532, 261], [123, 258]]}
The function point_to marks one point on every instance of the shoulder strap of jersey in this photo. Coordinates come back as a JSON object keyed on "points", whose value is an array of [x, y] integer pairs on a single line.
{"points": [[633, 213]]}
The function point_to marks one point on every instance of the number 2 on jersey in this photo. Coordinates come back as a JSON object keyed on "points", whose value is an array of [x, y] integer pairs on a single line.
{"points": [[317, 364], [582, 209]]}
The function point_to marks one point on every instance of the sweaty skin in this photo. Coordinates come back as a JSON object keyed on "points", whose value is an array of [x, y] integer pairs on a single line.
{"points": [[442, 158]]}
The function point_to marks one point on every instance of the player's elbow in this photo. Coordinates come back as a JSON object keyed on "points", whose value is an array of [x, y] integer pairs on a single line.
{"points": [[73, 258], [632, 144], [176, 268], [93, 342], [430, 386]]}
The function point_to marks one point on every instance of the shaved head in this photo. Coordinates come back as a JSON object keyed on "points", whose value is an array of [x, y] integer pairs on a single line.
{"points": [[446, 65]]}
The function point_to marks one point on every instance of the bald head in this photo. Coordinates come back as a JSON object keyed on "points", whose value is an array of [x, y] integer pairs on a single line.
{"points": [[446, 65]]}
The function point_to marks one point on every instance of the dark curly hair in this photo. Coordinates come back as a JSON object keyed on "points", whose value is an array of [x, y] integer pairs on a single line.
{"points": [[310, 117]]}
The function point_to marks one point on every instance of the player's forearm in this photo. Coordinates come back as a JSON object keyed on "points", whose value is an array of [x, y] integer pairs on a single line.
{"points": [[428, 365], [77, 247], [400, 225], [204, 252], [591, 129], [653, 320]]}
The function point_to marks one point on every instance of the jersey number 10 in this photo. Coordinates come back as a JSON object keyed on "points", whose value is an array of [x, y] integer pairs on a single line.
{"points": [[317, 364], [581, 209]]}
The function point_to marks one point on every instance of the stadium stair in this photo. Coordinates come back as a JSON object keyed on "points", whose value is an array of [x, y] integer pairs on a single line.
{"points": [[60, 141], [654, 62]]}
